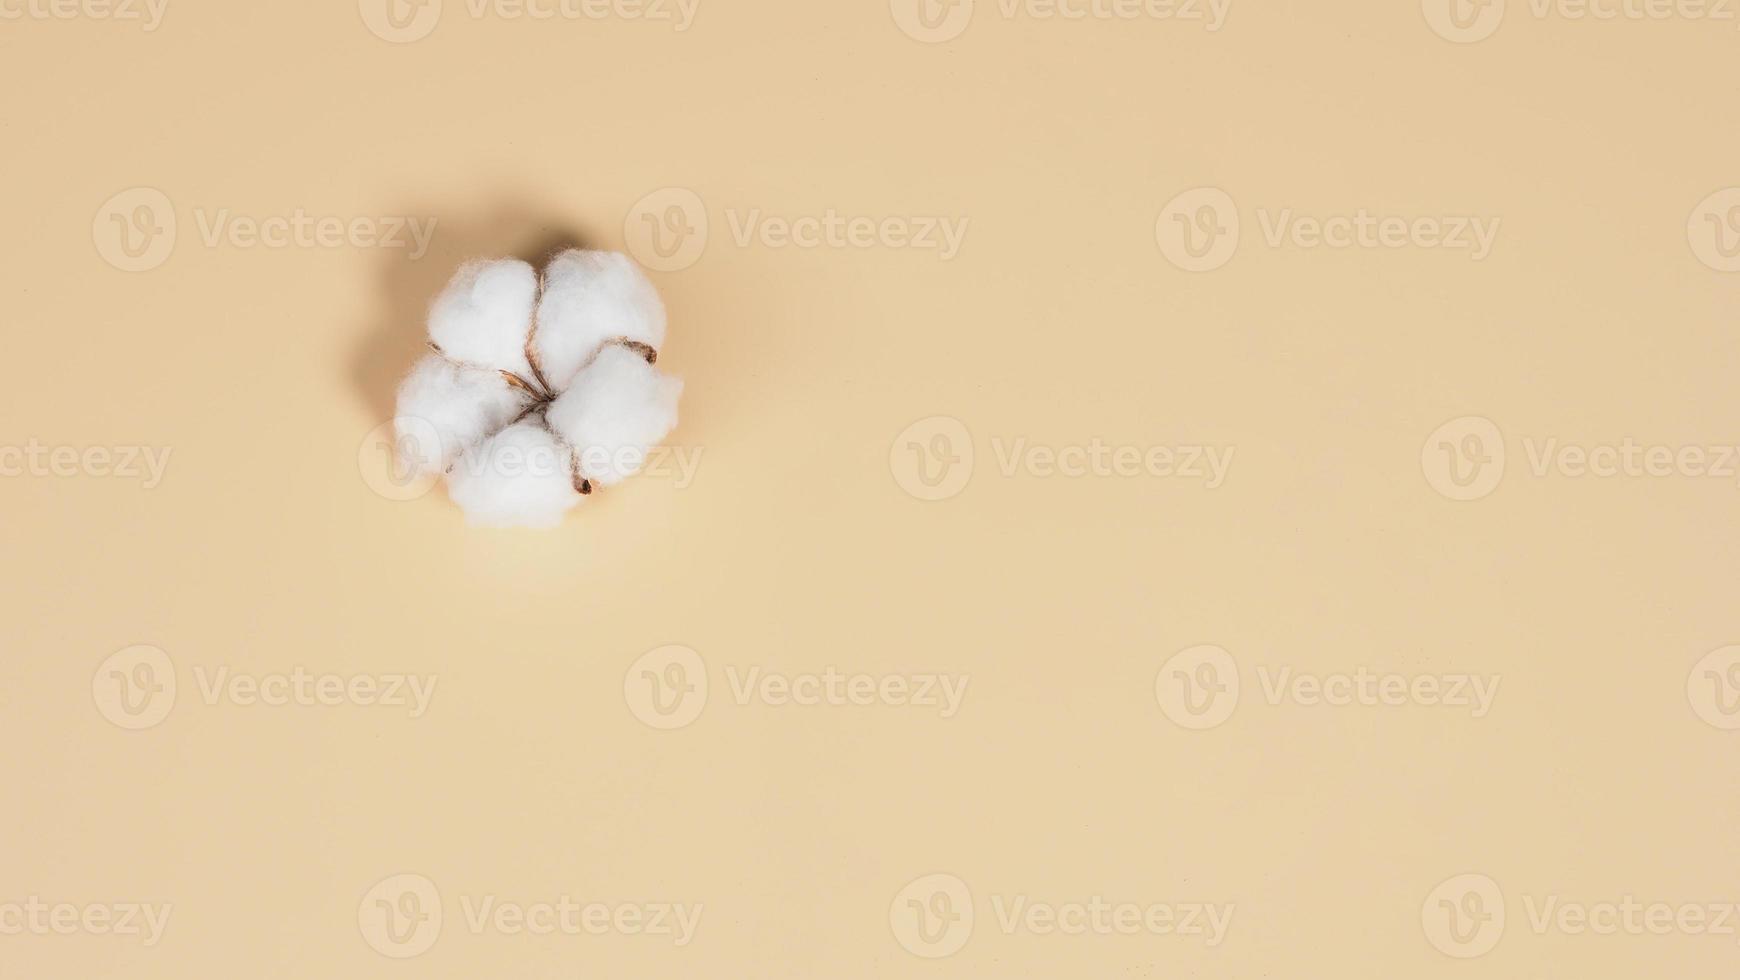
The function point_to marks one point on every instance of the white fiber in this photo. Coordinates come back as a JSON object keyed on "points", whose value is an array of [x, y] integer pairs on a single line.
{"points": [[618, 407], [538, 389], [485, 313], [590, 298]]}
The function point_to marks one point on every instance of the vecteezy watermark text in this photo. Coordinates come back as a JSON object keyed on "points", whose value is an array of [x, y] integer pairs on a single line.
{"points": [[830, 687], [668, 687], [144, 463], [934, 459], [136, 230], [299, 229], [830, 229], [935, 914], [1200, 230], [1200, 687], [384, 454], [1467, 915], [137, 687], [1097, 458], [36, 917], [147, 13], [405, 21], [936, 21], [1466, 458], [1469, 21], [303, 689], [403, 916], [567, 917], [668, 230]]}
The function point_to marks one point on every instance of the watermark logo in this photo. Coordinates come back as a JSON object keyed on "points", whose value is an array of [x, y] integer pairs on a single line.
{"points": [[1468, 21], [667, 687], [400, 21], [932, 459], [400, 917], [932, 21], [667, 229], [385, 458], [134, 231], [1714, 230], [1464, 21], [1713, 688], [135, 687], [1464, 916], [1463, 459], [1198, 231], [1198, 687], [932, 917]]}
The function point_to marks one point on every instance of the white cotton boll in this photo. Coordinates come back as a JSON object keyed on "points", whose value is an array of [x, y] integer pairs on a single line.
{"points": [[614, 411], [589, 298], [484, 314], [443, 408], [520, 477]]}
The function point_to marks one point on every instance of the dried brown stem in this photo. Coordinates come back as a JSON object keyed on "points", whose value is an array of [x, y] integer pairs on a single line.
{"points": [[526, 386], [531, 336]]}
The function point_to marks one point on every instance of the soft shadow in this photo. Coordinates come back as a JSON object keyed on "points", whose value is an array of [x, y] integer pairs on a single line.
{"points": [[396, 336]]}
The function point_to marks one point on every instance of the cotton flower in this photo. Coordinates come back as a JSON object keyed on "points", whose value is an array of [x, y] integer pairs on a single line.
{"points": [[538, 388]]}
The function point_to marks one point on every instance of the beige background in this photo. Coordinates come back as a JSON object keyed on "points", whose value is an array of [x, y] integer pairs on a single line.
{"points": [[1328, 548]]}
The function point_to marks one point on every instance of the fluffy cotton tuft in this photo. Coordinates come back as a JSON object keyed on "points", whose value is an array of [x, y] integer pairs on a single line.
{"points": [[519, 477], [618, 407], [522, 437], [484, 314], [445, 408], [590, 298]]}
